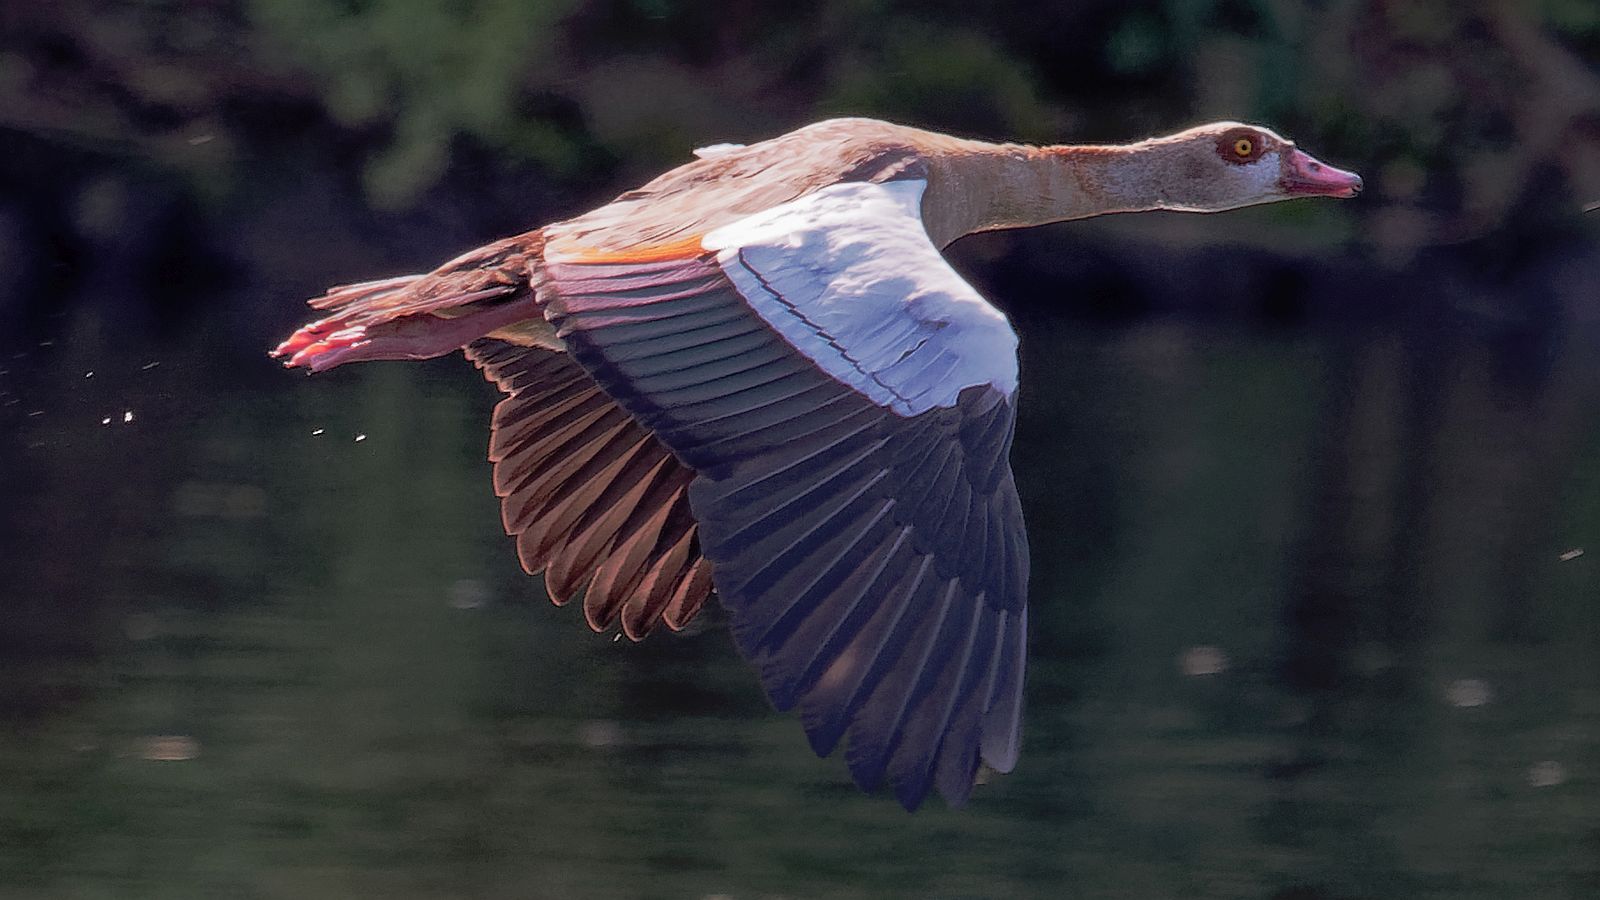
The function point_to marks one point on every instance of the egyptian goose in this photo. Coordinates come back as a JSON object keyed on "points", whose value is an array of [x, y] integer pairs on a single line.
{"points": [[757, 376]]}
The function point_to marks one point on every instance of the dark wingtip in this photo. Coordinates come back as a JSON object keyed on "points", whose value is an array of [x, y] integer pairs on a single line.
{"points": [[912, 791]]}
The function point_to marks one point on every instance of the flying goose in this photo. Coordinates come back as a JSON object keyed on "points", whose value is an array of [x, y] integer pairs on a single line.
{"points": [[757, 376]]}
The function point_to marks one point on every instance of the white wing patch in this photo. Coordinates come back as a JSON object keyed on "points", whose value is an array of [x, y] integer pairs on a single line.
{"points": [[848, 276], [716, 150]]}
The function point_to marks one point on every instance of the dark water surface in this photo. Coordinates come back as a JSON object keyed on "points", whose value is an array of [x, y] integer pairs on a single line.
{"points": [[1310, 622]]}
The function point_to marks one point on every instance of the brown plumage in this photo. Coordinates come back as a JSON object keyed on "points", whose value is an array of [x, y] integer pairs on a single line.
{"points": [[593, 500], [755, 375]]}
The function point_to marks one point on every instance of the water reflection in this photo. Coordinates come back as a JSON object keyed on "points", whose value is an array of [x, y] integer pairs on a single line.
{"points": [[1308, 625]]}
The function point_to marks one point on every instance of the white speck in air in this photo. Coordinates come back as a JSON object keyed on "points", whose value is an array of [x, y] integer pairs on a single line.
{"points": [[148, 366], [1198, 662], [127, 417], [360, 438], [1547, 773], [1468, 693], [37, 412], [106, 421], [317, 432], [89, 374], [469, 593], [169, 748], [1572, 554], [597, 733]]}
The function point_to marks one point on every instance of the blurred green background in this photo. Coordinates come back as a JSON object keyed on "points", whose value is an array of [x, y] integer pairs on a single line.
{"points": [[1309, 485]]}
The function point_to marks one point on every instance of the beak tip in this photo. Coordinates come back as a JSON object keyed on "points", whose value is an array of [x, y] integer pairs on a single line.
{"points": [[1306, 175]]}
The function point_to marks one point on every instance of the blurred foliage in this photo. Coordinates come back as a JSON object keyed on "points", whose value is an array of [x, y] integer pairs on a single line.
{"points": [[425, 70], [1456, 109]]}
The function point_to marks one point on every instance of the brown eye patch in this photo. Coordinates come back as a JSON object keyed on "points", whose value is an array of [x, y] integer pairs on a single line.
{"points": [[1241, 145]]}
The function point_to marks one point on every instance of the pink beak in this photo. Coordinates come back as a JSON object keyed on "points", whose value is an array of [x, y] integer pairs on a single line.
{"points": [[1304, 175]]}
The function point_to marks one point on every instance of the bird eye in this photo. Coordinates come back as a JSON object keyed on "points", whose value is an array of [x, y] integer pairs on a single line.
{"points": [[1243, 147]]}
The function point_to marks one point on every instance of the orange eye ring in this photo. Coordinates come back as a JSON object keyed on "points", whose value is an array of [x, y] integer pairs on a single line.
{"points": [[1243, 147]]}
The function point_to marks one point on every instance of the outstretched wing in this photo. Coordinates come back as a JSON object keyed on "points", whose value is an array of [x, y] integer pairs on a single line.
{"points": [[845, 401]]}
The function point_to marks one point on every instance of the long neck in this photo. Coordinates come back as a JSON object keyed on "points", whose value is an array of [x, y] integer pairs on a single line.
{"points": [[976, 186]]}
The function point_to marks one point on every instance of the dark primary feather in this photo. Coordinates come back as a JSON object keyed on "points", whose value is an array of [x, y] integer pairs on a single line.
{"points": [[873, 566]]}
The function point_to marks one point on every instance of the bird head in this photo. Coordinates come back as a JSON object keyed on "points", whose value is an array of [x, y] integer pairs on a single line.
{"points": [[1226, 165]]}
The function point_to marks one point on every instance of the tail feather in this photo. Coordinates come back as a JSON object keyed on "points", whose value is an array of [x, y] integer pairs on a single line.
{"points": [[420, 316], [365, 294]]}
